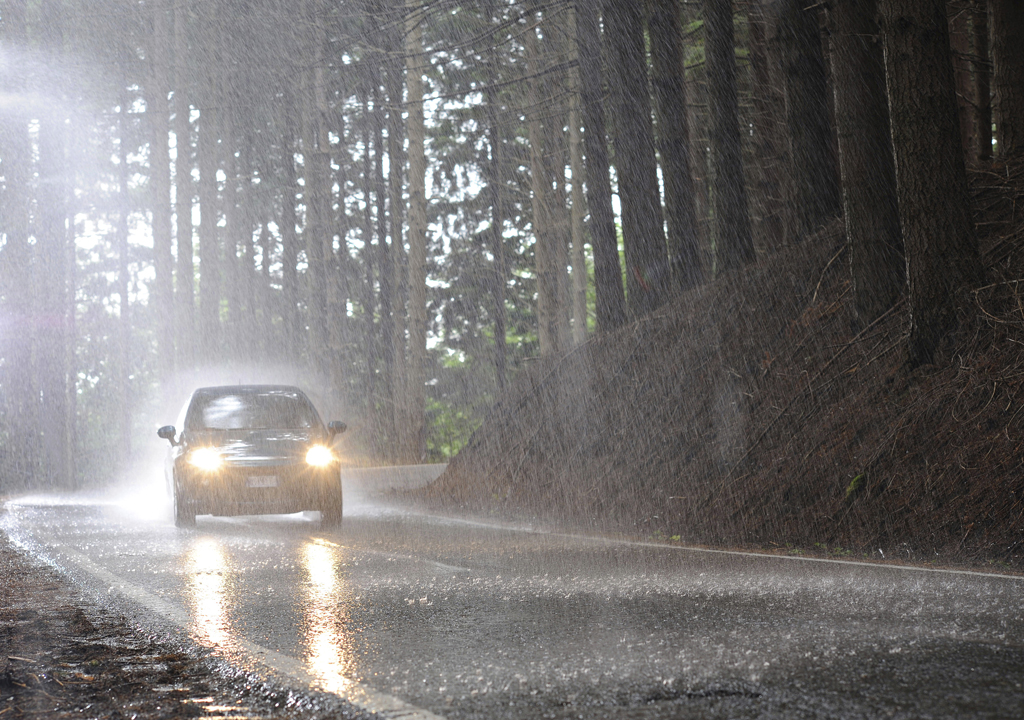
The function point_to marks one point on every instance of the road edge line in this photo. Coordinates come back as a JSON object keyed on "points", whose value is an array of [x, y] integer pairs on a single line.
{"points": [[356, 693]]}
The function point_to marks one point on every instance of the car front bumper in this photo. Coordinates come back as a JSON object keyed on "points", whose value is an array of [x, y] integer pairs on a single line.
{"points": [[252, 490]]}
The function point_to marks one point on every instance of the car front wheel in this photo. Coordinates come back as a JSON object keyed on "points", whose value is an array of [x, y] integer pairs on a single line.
{"points": [[184, 507], [330, 508]]}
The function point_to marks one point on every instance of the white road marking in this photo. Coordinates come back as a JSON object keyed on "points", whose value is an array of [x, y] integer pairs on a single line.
{"points": [[359, 694], [711, 551]]}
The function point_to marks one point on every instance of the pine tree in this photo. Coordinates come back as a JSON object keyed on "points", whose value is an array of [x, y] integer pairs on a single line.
{"points": [[939, 235], [734, 245], [865, 153]]}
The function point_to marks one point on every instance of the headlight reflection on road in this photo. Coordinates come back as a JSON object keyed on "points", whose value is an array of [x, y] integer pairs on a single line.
{"points": [[328, 647], [207, 565]]}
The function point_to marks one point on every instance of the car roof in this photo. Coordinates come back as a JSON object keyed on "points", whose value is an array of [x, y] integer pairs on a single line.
{"points": [[235, 389]]}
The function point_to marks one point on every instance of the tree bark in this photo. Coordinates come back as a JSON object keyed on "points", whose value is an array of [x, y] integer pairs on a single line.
{"points": [[372, 341], [21, 391], [555, 159], [415, 65], [317, 232], [396, 280], [960, 38], [768, 184], [941, 247], [1007, 22], [390, 388], [185, 309], [734, 246], [210, 264], [815, 169], [233, 235], [240, 252], [341, 270], [578, 212], [386, 419], [610, 297], [981, 67], [870, 207], [669, 84], [290, 317], [158, 113], [548, 306], [76, 143], [122, 382], [497, 191], [52, 277], [642, 219]]}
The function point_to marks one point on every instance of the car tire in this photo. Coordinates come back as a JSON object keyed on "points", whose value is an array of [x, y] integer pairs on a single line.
{"points": [[184, 508], [330, 509]]}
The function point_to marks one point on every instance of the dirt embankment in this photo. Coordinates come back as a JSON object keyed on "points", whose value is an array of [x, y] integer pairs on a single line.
{"points": [[749, 413]]}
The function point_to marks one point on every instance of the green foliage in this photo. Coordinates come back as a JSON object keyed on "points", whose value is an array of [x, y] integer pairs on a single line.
{"points": [[855, 486], [450, 430]]}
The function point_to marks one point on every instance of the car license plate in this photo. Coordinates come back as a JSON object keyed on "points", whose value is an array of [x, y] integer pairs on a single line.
{"points": [[261, 481]]}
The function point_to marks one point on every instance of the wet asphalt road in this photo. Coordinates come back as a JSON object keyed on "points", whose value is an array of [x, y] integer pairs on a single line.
{"points": [[418, 617]]}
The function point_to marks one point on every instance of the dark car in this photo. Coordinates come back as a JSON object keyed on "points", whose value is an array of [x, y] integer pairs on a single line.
{"points": [[250, 449]]}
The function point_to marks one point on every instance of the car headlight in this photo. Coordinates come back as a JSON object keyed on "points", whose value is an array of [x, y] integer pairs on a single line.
{"points": [[207, 459], [319, 456]]}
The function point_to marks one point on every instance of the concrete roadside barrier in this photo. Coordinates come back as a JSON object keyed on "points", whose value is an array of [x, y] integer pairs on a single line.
{"points": [[368, 481]]}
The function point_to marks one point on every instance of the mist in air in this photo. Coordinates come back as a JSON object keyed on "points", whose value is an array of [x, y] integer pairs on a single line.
{"points": [[597, 261]]}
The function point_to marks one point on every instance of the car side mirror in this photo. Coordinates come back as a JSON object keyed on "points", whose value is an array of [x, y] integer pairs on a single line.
{"points": [[336, 427], [167, 433]]}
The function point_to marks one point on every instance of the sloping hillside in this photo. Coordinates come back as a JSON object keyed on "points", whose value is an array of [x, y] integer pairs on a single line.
{"points": [[747, 413]]}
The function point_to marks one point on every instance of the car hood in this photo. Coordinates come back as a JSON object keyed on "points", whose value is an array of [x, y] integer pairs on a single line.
{"points": [[257, 447]]}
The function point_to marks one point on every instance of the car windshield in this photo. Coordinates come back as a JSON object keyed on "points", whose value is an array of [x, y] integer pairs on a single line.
{"points": [[251, 410]]}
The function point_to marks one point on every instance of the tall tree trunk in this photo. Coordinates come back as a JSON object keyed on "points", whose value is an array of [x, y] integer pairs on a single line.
{"points": [[265, 317], [669, 85], [340, 280], [578, 213], [981, 67], [233, 237], [252, 295], [552, 343], [865, 159], [767, 186], [372, 341], [210, 263], [642, 220], [75, 153], [123, 378], [556, 160], [1007, 21], [960, 38], [185, 307], [317, 231], [385, 427], [237, 238], [394, 76], [415, 64], [158, 114], [290, 316], [611, 299], [734, 245], [386, 422], [21, 392], [497, 192], [815, 168], [51, 281], [941, 247]]}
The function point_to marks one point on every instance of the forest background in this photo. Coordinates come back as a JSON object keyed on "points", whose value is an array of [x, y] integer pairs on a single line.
{"points": [[408, 207]]}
